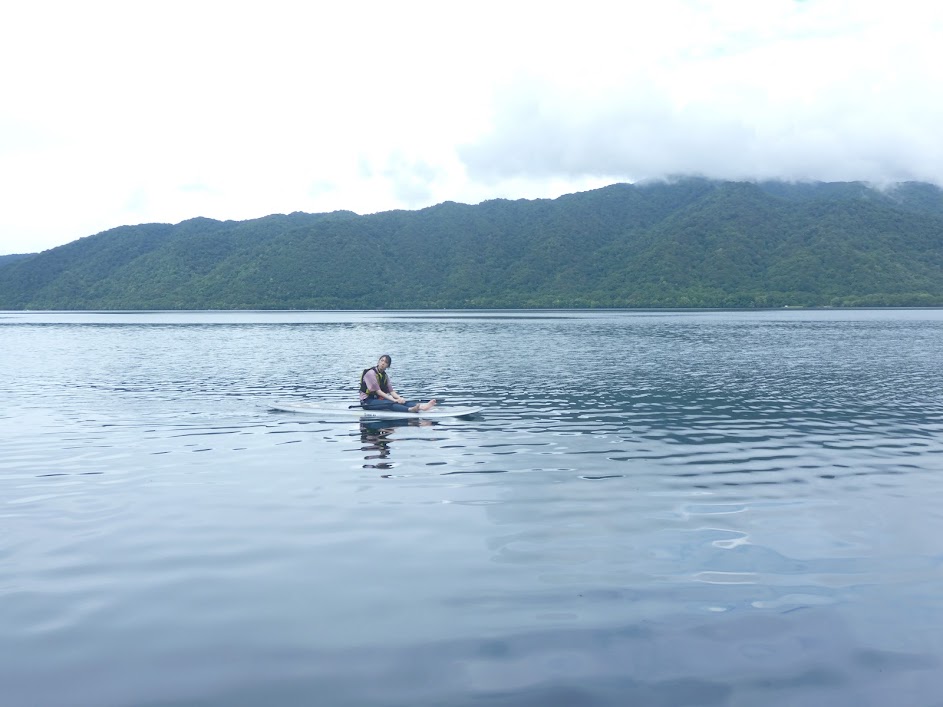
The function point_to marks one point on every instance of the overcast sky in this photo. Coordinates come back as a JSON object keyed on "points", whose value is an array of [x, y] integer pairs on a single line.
{"points": [[116, 113]]}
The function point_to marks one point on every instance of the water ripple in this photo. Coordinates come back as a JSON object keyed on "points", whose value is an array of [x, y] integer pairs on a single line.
{"points": [[683, 508]]}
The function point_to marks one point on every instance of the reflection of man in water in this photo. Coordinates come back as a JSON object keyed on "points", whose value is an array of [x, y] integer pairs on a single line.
{"points": [[375, 437], [377, 392]]}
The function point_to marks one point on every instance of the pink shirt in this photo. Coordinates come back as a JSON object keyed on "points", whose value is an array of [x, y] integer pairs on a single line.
{"points": [[370, 381]]}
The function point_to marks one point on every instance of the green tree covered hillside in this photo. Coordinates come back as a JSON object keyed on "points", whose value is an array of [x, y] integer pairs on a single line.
{"points": [[689, 243], [6, 259]]}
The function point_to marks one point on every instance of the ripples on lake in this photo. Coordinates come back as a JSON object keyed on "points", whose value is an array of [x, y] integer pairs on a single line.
{"points": [[655, 509]]}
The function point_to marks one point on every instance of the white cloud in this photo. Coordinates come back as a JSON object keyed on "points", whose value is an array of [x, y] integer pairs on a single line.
{"points": [[121, 113], [822, 95]]}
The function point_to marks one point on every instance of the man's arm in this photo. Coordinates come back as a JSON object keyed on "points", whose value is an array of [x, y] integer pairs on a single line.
{"points": [[373, 386], [394, 396]]}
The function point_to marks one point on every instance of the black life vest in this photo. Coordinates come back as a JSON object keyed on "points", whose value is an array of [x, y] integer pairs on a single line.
{"points": [[381, 380]]}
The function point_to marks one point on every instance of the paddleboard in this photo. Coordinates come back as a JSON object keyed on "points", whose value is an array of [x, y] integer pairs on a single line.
{"points": [[343, 410]]}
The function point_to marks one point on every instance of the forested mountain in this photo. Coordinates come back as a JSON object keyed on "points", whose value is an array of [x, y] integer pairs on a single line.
{"points": [[4, 259], [689, 243]]}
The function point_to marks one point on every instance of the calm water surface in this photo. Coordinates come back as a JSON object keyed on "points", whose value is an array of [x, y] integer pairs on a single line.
{"points": [[656, 508]]}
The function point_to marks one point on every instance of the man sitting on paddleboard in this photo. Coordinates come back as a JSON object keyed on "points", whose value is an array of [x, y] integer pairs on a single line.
{"points": [[377, 392]]}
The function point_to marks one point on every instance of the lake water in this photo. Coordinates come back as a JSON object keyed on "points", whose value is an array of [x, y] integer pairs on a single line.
{"points": [[656, 508]]}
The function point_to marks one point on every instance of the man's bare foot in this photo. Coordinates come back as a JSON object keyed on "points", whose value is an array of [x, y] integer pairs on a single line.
{"points": [[422, 407]]}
